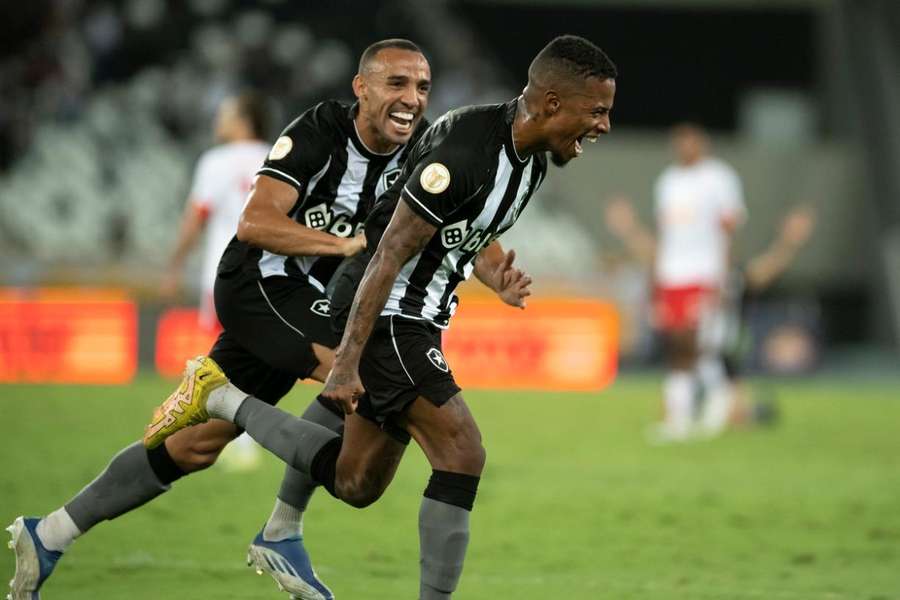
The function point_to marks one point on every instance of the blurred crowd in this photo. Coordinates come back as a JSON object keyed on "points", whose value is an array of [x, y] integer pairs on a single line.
{"points": [[115, 99]]}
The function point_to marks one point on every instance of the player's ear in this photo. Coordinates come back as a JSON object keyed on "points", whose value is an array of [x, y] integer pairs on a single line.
{"points": [[359, 86], [551, 102]]}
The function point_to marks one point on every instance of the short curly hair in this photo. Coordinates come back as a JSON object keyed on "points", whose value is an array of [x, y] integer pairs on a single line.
{"points": [[572, 57]]}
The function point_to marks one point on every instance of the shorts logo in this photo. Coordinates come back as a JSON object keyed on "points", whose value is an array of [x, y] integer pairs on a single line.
{"points": [[281, 148], [437, 359], [435, 178], [454, 234], [317, 217], [321, 307]]}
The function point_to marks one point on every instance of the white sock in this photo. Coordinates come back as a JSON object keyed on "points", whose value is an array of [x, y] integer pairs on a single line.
{"points": [[284, 522], [224, 402], [57, 530], [678, 391], [244, 443], [717, 397]]}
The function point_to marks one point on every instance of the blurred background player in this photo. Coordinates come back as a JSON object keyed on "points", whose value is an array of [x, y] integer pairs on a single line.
{"points": [[723, 330], [222, 179], [698, 205]]}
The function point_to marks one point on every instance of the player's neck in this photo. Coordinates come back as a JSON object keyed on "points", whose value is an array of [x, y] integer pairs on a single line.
{"points": [[369, 137], [525, 131]]}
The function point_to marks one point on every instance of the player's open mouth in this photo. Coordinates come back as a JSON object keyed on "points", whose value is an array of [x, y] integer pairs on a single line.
{"points": [[402, 120], [578, 147]]}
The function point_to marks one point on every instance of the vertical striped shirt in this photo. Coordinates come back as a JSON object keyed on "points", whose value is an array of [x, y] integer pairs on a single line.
{"points": [[465, 178]]}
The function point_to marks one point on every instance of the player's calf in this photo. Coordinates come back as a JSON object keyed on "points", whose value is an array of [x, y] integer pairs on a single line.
{"points": [[197, 448]]}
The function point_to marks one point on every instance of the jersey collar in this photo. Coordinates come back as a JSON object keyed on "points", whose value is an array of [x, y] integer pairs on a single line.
{"points": [[508, 142]]}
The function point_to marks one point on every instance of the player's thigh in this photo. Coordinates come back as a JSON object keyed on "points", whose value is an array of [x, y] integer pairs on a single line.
{"points": [[278, 319], [368, 460], [403, 361], [681, 347], [248, 371], [447, 434]]}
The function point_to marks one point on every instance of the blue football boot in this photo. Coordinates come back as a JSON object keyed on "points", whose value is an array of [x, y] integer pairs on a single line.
{"points": [[288, 564], [34, 563]]}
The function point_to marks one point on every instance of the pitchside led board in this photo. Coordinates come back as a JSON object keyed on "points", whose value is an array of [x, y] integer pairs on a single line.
{"points": [[67, 335], [554, 344], [90, 336]]}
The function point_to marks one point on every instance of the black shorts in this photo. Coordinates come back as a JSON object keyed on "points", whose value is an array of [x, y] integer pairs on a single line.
{"points": [[342, 289], [401, 361], [269, 327]]}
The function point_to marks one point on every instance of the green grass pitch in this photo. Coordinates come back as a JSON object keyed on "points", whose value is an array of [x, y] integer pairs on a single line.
{"points": [[573, 504]]}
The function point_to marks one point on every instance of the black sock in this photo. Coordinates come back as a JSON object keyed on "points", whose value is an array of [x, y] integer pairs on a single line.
{"points": [[452, 488], [163, 466], [324, 464]]}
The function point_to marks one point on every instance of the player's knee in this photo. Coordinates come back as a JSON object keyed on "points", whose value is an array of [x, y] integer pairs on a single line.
{"points": [[358, 492], [474, 459], [465, 452]]}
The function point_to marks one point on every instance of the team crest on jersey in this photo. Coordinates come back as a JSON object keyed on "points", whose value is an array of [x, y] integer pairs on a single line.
{"points": [[437, 359], [390, 176], [321, 307], [281, 148], [453, 235], [435, 178], [317, 217]]}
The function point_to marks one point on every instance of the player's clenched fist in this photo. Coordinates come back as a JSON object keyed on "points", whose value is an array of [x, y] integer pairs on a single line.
{"points": [[344, 388]]}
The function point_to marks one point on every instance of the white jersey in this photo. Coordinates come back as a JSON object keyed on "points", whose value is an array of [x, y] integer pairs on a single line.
{"points": [[693, 205], [222, 181]]}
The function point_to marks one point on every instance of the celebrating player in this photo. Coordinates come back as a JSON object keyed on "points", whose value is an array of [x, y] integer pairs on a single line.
{"points": [[466, 182], [301, 220]]}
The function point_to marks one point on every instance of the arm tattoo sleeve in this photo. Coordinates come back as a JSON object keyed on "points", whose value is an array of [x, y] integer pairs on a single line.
{"points": [[406, 235]]}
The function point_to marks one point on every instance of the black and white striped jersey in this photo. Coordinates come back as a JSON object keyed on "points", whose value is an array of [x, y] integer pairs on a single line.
{"points": [[465, 178], [337, 178]]}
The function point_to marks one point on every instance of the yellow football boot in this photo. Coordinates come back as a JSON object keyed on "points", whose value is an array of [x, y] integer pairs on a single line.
{"points": [[187, 405]]}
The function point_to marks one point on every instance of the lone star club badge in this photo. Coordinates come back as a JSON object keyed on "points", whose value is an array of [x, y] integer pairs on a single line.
{"points": [[435, 178], [281, 148], [321, 307], [390, 177], [437, 359]]}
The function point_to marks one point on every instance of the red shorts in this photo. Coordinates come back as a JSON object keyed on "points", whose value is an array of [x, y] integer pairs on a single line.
{"points": [[679, 307]]}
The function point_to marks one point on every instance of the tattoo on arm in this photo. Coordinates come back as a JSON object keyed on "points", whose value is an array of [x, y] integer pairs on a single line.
{"points": [[406, 235]]}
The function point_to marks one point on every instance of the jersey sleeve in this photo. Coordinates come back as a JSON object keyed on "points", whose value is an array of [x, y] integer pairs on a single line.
{"points": [[302, 150], [658, 198], [731, 198], [205, 185], [442, 181]]}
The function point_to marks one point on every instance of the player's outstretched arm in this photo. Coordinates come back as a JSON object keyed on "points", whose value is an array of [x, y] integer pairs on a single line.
{"points": [[796, 228], [192, 225], [623, 222], [493, 267], [265, 224], [406, 235]]}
